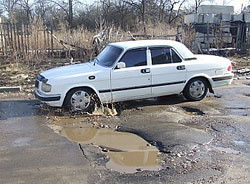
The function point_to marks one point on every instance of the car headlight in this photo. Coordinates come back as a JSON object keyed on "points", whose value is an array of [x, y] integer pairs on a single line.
{"points": [[46, 87]]}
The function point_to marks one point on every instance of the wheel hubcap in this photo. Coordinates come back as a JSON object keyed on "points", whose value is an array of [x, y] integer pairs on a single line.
{"points": [[197, 89], [80, 100]]}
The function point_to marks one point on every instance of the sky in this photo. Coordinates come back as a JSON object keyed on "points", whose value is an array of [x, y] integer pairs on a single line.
{"points": [[236, 3]]}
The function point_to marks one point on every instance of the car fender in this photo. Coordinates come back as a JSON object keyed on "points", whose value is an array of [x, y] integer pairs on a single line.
{"points": [[80, 86], [201, 75]]}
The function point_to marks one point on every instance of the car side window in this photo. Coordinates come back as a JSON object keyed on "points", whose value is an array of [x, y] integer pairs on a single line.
{"points": [[160, 55], [135, 57], [175, 57]]}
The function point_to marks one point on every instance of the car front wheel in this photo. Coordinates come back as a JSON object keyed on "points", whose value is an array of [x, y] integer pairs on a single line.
{"points": [[80, 100], [196, 89]]}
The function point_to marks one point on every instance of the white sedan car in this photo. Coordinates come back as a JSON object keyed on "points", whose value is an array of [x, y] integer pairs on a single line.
{"points": [[133, 70]]}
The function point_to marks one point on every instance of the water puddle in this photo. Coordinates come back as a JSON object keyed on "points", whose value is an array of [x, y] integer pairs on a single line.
{"points": [[128, 152], [22, 141], [240, 143], [236, 101]]}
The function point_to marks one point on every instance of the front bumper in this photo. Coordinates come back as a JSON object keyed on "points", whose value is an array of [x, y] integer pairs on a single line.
{"points": [[46, 98]]}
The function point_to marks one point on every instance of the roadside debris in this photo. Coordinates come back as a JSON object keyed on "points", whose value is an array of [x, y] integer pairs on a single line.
{"points": [[104, 110]]}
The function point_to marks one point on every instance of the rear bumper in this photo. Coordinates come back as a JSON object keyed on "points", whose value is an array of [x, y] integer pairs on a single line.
{"points": [[222, 80], [46, 98]]}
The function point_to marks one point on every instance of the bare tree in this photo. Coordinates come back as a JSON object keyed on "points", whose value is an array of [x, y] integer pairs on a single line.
{"points": [[197, 5], [174, 10], [122, 9], [141, 7], [27, 6], [8, 6], [41, 8], [130, 15], [162, 4], [67, 8]]}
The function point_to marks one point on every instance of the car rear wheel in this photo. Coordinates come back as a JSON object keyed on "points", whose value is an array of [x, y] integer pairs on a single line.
{"points": [[80, 100], [196, 89]]}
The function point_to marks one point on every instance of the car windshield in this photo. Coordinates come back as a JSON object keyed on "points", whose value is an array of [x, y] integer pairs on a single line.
{"points": [[108, 56]]}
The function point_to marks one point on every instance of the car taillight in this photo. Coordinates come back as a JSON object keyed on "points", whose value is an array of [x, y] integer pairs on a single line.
{"points": [[229, 68]]}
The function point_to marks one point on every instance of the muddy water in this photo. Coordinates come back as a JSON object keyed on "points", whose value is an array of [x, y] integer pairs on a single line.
{"points": [[128, 152]]}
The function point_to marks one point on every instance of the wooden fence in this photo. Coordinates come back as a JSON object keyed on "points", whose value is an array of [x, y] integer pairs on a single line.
{"points": [[23, 41], [14, 38]]}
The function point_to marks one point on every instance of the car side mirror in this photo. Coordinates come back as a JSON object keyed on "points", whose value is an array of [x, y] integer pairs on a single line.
{"points": [[120, 65]]}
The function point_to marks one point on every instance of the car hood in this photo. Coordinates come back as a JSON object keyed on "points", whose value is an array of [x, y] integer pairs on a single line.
{"points": [[71, 70]]}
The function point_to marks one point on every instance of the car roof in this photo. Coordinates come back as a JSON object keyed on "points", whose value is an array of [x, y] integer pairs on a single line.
{"points": [[179, 47]]}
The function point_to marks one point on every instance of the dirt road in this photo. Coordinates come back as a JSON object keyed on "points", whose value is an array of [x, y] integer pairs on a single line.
{"points": [[160, 140]]}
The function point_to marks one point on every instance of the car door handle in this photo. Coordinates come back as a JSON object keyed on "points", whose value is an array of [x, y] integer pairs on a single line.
{"points": [[181, 67], [146, 70]]}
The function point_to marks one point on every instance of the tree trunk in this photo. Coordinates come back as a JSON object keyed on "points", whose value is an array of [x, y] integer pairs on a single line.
{"points": [[70, 14], [144, 16]]}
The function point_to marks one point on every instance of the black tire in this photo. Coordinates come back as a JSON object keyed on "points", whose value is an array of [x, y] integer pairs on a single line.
{"points": [[80, 100], [196, 89]]}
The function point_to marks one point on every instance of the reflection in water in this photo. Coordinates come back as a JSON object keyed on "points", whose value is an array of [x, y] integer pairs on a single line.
{"points": [[80, 135], [128, 152], [132, 161]]}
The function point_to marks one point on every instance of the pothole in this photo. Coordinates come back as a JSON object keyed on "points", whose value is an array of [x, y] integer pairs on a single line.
{"points": [[127, 152], [193, 111], [220, 127]]}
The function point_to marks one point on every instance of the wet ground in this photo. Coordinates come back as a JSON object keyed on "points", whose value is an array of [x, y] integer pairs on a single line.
{"points": [[160, 140]]}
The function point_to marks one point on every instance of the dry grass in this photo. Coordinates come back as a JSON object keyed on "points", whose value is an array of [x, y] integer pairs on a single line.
{"points": [[161, 29], [38, 40], [79, 37], [188, 37]]}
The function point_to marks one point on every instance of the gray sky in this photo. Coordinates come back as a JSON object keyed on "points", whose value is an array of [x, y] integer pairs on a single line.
{"points": [[236, 3]]}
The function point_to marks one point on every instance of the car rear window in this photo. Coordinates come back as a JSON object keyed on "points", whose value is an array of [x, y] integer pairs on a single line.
{"points": [[164, 55], [160, 55]]}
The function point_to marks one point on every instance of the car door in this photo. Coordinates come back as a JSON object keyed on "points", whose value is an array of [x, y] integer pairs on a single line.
{"points": [[133, 81], [168, 71]]}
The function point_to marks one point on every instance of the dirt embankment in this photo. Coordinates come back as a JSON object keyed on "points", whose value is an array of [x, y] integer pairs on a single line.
{"points": [[23, 73]]}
